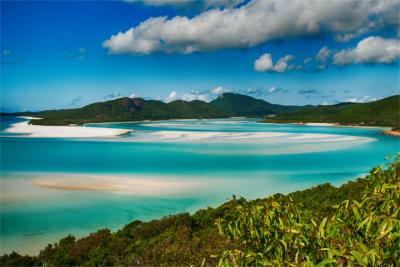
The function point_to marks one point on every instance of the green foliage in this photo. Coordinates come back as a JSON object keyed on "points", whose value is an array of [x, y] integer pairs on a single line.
{"points": [[280, 232], [357, 224], [242, 105], [129, 109], [383, 112]]}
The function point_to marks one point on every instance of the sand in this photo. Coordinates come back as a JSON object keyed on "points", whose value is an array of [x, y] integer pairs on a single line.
{"points": [[62, 131], [391, 132]]}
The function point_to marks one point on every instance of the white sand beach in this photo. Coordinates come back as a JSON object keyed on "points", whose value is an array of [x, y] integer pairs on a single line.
{"points": [[321, 124], [243, 137], [62, 131]]}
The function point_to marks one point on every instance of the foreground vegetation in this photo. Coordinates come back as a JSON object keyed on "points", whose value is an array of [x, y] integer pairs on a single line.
{"points": [[357, 224], [384, 112]]}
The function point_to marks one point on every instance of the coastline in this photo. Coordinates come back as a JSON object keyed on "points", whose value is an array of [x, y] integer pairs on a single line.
{"points": [[72, 131], [391, 133], [333, 124]]}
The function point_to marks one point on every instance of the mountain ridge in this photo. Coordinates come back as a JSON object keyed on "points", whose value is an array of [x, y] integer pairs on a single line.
{"points": [[384, 112]]}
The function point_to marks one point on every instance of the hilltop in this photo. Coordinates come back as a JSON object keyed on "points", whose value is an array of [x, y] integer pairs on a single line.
{"points": [[243, 105], [136, 109], [129, 109]]}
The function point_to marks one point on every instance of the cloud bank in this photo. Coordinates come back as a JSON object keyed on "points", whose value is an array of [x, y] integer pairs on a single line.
{"points": [[254, 23]]}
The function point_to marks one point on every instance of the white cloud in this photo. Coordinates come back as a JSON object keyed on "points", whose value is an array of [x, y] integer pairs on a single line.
{"points": [[254, 23], [323, 54], [265, 63], [272, 89], [195, 96], [363, 99], [171, 97], [205, 95], [218, 90], [372, 49], [182, 3], [134, 95], [307, 60]]}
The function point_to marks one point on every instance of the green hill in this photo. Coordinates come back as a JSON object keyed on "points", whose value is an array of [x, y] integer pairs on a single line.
{"points": [[242, 105], [129, 109], [384, 112], [357, 224]]}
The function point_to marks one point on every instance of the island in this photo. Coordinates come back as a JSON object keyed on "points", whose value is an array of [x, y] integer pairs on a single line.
{"points": [[384, 112]]}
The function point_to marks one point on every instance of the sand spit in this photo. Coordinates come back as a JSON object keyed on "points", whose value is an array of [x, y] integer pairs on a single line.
{"points": [[62, 131], [133, 185]]}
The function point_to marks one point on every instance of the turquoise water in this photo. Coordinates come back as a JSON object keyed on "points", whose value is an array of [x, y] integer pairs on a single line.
{"points": [[51, 187]]}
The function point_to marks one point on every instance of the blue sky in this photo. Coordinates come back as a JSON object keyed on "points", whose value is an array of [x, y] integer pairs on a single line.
{"points": [[67, 54]]}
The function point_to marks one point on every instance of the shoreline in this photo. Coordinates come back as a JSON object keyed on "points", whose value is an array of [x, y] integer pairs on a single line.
{"points": [[391, 133], [332, 124], [24, 129]]}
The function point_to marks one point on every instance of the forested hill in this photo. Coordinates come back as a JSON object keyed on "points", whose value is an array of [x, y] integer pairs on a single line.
{"points": [[357, 224], [384, 112], [134, 109], [129, 109], [243, 105]]}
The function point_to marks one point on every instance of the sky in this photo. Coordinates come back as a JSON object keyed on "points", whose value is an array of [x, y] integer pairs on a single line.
{"points": [[68, 54]]}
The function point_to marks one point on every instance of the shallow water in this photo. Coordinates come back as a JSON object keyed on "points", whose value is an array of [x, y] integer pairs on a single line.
{"points": [[53, 187]]}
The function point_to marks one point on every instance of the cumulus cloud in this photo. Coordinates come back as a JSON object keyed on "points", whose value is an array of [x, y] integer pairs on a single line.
{"points": [[180, 3], [323, 54], [171, 97], [134, 95], [372, 49], [205, 95], [265, 63], [218, 90], [195, 96], [364, 99], [253, 23]]}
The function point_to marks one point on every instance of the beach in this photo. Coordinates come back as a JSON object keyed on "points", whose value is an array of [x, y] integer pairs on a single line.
{"points": [[71, 131], [391, 132]]}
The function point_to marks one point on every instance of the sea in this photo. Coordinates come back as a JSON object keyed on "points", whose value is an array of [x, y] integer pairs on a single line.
{"points": [[53, 187]]}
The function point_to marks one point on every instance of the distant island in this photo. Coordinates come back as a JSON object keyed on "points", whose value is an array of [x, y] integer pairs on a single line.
{"points": [[354, 225], [384, 112]]}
